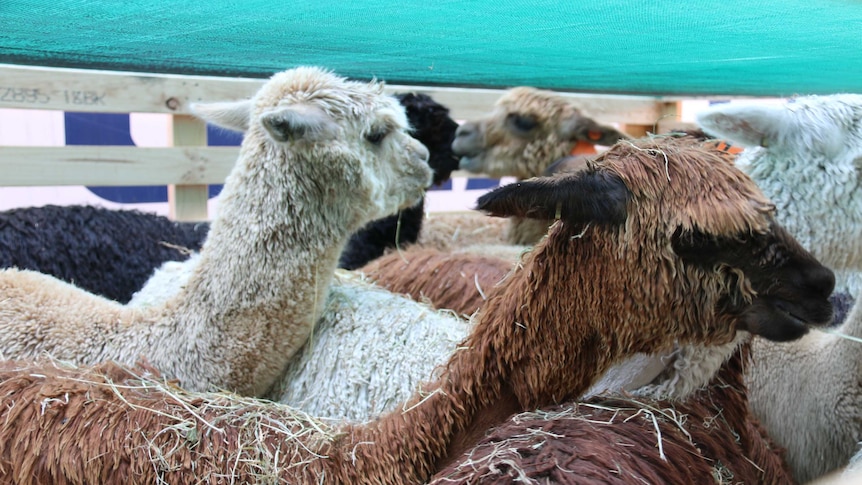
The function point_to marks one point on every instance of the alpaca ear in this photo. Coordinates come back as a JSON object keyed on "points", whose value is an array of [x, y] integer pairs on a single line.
{"points": [[231, 115], [579, 128], [587, 196], [298, 121], [748, 126]]}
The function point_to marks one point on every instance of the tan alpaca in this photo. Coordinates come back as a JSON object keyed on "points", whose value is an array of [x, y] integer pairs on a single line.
{"points": [[682, 248], [526, 132], [321, 157]]}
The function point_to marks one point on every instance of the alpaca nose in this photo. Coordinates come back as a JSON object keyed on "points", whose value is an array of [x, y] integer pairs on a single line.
{"points": [[466, 142], [467, 129], [821, 280]]}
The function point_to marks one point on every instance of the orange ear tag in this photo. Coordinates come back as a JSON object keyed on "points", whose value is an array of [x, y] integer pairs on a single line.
{"points": [[724, 146]]}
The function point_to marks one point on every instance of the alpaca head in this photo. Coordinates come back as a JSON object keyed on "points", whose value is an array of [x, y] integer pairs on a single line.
{"points": [[344, 141], [687, 246], [431, 125], [527, 131], [825, 131]]}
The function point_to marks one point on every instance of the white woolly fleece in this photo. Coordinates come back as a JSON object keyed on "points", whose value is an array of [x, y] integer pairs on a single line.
{"points": [[806, 156], [370, 351]]}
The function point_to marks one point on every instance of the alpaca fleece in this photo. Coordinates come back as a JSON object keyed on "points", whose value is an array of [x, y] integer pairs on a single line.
{"points": [[807, 394], [106, 252], [370, 351], [447, 281]]}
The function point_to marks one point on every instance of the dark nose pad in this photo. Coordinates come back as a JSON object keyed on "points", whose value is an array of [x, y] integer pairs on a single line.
{"points": [[822, 280], [816, 280]]}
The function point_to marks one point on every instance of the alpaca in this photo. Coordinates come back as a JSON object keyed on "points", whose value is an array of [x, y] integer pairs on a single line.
{"points": [[435, 129], [321, 157], [107, 252], [679, 248], [112, 252], [457, 282], [528, 130], [805, 155], [709, 437], [807, 394]]}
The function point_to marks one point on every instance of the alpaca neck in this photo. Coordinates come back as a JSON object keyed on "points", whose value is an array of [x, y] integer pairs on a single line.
{"points": [[438, 426], [487, 380], [271, 234], [264, 271]]}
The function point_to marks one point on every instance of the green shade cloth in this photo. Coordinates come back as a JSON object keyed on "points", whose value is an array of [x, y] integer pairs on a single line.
{"points": [[732, 47]]}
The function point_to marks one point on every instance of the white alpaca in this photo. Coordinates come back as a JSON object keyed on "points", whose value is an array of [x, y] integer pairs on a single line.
{"points": [[321, 157], [808, 395], [806, 156]]}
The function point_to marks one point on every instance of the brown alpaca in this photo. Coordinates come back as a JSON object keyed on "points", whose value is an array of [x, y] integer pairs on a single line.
{"points": [[657, 244], [457, 282], [709, 437]]}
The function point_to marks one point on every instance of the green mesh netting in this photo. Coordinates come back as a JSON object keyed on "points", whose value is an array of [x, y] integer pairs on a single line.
{"points": [[734, 47]]}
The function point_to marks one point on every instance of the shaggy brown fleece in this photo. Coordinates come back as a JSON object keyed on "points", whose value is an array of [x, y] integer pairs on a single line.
{"points": [[709, 438], [458, 282]]}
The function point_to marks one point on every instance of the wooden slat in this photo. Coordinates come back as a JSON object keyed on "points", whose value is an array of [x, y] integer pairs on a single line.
{"points": [[112, 165], [113, 92], [188, 202], [124, 92]]}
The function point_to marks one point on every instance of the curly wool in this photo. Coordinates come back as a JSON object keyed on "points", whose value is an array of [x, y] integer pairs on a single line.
{"points": [[107, 252], [370, 351]]}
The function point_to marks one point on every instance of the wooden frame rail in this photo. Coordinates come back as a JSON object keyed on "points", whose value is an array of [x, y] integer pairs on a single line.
{"points": [[189, 166]]}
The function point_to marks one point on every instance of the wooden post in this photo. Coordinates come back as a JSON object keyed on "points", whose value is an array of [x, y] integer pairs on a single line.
{"points": [[188, 202], [636, 131], [670, 119]]}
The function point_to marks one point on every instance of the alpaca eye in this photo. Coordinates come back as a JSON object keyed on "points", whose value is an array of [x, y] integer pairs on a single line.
{"points": [[375, 137], [523, 123]]}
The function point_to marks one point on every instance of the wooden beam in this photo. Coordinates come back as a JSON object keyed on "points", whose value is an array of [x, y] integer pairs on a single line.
{"points": [[125, 92], [113, 92], [114, 165], [188, 202]]}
